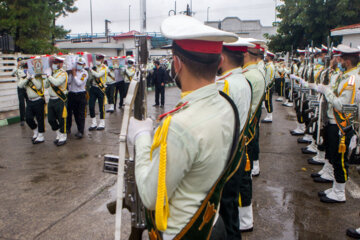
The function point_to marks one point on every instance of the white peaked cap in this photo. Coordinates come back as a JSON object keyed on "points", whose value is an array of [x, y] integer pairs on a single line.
{"points": [[181, 27], [270, 53], [241, 42], [344, 49], [59, 58], [256, 41]]}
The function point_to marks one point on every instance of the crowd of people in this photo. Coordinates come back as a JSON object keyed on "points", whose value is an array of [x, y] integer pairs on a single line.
{"points": [[194, 174], [73, 92], [199, 148]]}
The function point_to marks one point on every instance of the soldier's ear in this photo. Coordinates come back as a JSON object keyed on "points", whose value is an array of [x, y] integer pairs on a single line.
{"points": [[222, 58], [177, 64]]}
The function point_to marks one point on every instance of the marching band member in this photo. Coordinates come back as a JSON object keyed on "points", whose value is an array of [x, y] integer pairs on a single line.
{"points": [[35, 107], [97, 92], [57, 106], [269, 79], [339, 132]]}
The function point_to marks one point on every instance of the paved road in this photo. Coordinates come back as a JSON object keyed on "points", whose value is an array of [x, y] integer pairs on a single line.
{"points": [[49, 192]]}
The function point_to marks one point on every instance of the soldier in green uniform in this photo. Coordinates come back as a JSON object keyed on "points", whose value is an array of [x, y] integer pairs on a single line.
{"points": [[35, 108], [338, 131], [20, 72], [57, 111], [233, 82], [110, 89], [192, 142], [269, 79], [97, 92], [257, 81]]}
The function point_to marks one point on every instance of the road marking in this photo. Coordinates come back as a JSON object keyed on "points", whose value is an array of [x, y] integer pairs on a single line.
{"points": [[353, 188]]}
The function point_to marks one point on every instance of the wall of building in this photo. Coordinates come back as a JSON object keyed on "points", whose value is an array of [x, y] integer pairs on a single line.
{"points": [[351, 39], [247, 28]]}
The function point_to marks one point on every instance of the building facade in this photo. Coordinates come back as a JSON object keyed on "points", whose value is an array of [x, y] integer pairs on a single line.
{"points": [[243, 28], [116, 45], [350, 34]]}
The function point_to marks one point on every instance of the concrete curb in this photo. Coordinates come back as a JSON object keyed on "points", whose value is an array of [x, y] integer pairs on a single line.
{"points": [[8, 121]]}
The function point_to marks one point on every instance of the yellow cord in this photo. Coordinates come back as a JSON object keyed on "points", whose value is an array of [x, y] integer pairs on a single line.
{"points": [[226, 87], [161, 210]]}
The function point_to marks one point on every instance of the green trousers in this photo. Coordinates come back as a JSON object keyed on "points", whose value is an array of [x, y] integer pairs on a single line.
{"points": [[56, 117]]}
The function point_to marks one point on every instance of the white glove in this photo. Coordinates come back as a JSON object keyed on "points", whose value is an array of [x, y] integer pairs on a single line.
{"points": [[353, 143], [293, 76], [302, 81], [313, 86], [322, 88], [137, 128], [29, 76], [357, 96]]}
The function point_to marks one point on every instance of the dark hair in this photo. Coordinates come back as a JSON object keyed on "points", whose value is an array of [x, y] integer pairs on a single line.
{"points": [[201, 70], [156, 62], [236, 57], [354, 59]]}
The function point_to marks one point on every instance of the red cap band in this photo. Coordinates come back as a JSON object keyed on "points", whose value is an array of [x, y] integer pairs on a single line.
{"points": [[257, 46], [237, 48], [200, 46]]}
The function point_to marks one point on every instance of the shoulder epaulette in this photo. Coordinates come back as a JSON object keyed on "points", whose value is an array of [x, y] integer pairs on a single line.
{"points": [[172, 111], [351, 81]]}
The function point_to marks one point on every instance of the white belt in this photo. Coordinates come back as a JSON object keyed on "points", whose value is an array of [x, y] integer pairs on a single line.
{"points": [[54, 98], [332, 121], [34, 99]]}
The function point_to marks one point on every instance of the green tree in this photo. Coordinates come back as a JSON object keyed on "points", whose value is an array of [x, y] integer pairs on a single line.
{"points": [[32, 23], [304, 21], [60, 8]]}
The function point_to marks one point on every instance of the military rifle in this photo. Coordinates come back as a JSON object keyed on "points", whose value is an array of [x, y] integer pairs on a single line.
{"points": [[124, 164]]}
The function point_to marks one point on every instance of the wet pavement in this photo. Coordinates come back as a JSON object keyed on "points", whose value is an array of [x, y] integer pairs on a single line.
{"points": [[50, 192]]}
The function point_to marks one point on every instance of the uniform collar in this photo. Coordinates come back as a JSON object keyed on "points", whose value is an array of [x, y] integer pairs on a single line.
{"points": [[233, 70], [250, 65], [199, 94], [350, 70]]}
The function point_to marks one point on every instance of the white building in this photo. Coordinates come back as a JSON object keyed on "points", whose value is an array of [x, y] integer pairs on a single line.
{"points": [[118, 45], [243, 28], [350, 34]]}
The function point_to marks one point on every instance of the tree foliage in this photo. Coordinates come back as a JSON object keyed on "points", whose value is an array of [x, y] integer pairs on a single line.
{"points": [[32, 23], [304, 21]]}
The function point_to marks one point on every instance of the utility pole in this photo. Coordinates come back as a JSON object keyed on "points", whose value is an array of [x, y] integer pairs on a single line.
{"points": [[129, 16], [207, 18], [275, 10], [191, 11], [91, 19], [174, 11], [142, 16], [107, 29]]}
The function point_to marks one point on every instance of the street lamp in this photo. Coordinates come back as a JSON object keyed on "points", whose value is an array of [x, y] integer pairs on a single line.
{"points": [[129, 16], [207, 14]]}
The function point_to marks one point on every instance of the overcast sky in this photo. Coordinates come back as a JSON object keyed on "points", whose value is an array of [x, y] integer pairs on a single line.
{"points": [[117, 12]]}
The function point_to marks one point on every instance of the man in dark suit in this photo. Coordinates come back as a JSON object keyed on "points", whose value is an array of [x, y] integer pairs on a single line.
{"points": [[159, 78]]}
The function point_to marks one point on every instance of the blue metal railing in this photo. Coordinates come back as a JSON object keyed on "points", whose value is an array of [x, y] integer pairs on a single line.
{"points": [[99, 35], [157, 40]]}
